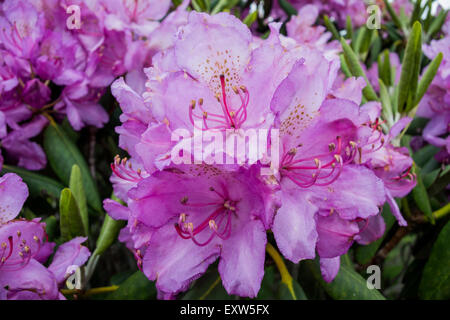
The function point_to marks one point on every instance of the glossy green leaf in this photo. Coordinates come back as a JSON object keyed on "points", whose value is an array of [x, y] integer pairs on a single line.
{"points": [[71, 225], [384, 68], [348, 284], [416, 12], [136, 287], [287, 7], [285, 294], [331, 27], [386, 102], [409, 75], [250, 18], [393, 14], [435, 283], [428, 77], [108, 234], [357, 71], [437, 23], [51, 227], [62, 154], [76, 186], [348, 28], [38, 185], [208, 287], [420, 196]]}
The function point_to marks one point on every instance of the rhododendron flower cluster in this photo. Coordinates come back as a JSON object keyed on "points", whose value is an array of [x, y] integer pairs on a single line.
{"points": [[47, 68], [24, 250], [258, 149], [329, 187]]}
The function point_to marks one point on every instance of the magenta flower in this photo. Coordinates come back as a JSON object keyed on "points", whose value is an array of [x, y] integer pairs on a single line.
{"points": [[200, 214], [213, 78], [301, 28], [321, 172], [23, 249], [435, 104]]}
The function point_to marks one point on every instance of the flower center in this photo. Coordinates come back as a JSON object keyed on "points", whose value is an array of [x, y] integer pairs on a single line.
{"points": [[319, 170], [9, 261], [231, 118], [218, 222]]}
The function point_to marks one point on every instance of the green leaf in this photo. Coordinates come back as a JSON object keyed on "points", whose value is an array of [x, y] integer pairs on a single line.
{"points": [[285, 294], [62, 154], [76, 186], [250, 18], [356, 69], [349, 27], [51, 226], [348, 284], [287, 7], [38, 185], [428, 77], [409, 75], [208, 287], [435, 283], [70, 220], [420, 196], [416, 12], [201, 5], [422, 156], [108, 234], [437, 23], [330, 26], [136, 287], [393, 15], [384, 68], [386, 103], [344, 66]]}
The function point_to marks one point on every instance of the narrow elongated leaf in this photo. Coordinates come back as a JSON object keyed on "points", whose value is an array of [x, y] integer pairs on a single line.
{"points": [[348, 284], [408, 75], [386, 103], [435, 282], [421, 196], [62, 154], [38, 185], [330, 26], [51, 226], [393, 14], [416, 12], [250, 18], [70, 220], [76, 186], [287, 7], [384, 68], [437, 23], [285, 293], [108, 234], [136, 287], [349, 28], [344, 67], [208, 287], [356, 70], [428, 77]]}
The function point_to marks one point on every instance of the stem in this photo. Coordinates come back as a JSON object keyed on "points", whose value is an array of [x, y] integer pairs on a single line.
{"points": [[442, 212], [91, 291], [210, 289], [101, 290], [286, 278]]}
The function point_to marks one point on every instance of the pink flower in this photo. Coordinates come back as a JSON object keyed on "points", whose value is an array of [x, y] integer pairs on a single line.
{"points": [[23, 249]]}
